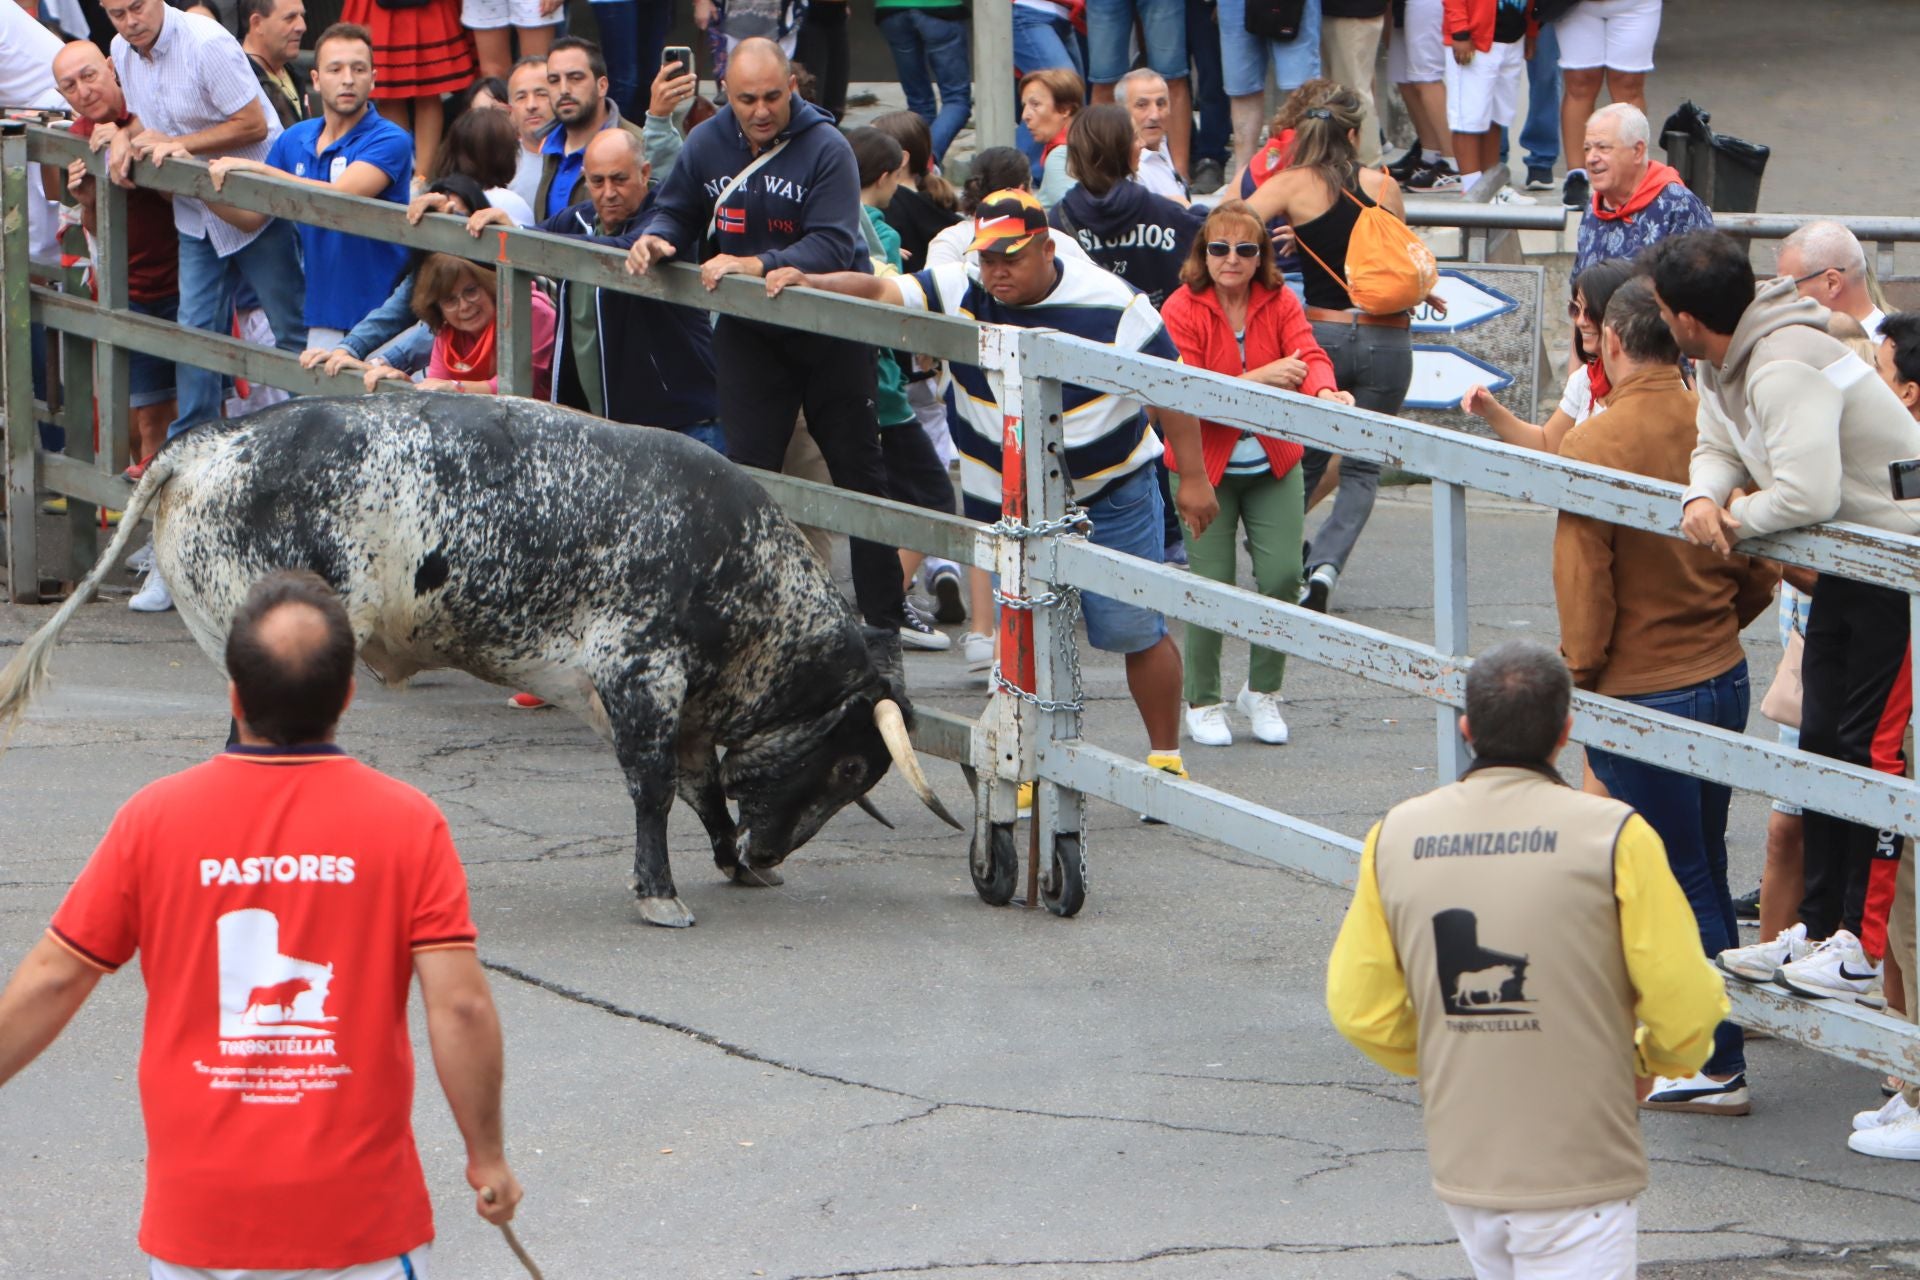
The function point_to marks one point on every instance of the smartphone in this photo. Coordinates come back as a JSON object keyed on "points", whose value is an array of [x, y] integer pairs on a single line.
{"points": [[1905, 476], [679, 53]]}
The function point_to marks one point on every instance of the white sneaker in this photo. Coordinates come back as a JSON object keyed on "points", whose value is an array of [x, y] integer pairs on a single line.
{"points": [[1208, 726], [917, 633], [1269, 726], [153, 596], [1700, 1095], [1836, 969], [1899, 1140], [1507, 195], [978, 649], [141, 561], [1761, 962], [1894, 1109]]}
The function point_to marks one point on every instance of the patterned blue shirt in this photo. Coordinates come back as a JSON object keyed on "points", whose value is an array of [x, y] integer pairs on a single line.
{"points": [[1675, 211]]}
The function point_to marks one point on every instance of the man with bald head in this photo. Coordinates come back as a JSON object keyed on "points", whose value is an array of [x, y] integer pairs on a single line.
{"points": [[86, 79], [771, 183], [1828, 265], [622, 356], [1635, 200], [282, 897]]}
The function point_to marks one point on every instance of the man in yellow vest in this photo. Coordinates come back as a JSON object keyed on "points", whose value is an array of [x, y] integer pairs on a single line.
{"points": [[1507, 933]]}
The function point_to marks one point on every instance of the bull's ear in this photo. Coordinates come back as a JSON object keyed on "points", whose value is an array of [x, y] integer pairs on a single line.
{"points": [[883, 646]]}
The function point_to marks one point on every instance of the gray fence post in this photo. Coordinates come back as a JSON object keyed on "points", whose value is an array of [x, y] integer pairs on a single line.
{"points": [[111, 375], [993, 113], [1449, 613], [1056, 809], [76, 418], [513, 350], [16, 379]]}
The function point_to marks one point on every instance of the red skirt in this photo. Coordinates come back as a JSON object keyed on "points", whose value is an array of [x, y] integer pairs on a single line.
{"points": [[417, 53]]}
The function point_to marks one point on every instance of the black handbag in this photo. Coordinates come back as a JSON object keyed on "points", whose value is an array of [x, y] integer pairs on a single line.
{"points": [[1275, 19]]}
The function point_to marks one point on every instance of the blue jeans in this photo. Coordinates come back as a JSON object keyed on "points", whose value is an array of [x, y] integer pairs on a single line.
{"points": [[1541, 136], [1039, 44], [150, 378], [1244, 55], [271, 264], [1214, 136], [1163, 36], [923, 43], [632, 34], [1129, 518], [1690, 817]]}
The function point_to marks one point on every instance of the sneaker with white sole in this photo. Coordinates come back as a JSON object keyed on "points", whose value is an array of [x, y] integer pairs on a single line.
{"points": [[1507, 195], [1208, 726], [1836, 969], [917, 633], [978, 650], [1761, 962], [1263, 709], [1700, 1095], [153, 596], [1898, 1140], [1317, 590], [950, 605], [1166, 762], [1892, 1110]]}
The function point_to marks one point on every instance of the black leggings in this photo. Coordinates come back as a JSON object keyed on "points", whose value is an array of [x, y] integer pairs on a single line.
{"points": [[766, 376], [822, 49]]}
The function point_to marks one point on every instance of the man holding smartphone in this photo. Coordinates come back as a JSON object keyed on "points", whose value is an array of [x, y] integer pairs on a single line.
{"points": [[1796, 429]]}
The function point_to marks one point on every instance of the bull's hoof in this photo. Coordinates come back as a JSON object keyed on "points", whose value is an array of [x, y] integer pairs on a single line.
{"points": [[757, 877], [668, 913]]}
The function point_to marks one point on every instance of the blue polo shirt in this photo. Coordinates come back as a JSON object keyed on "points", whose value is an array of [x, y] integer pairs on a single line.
{"points": [[347, 276], [560, 195]]}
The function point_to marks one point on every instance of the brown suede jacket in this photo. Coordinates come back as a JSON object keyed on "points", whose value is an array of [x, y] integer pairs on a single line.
{"points": [[1640, 612]]}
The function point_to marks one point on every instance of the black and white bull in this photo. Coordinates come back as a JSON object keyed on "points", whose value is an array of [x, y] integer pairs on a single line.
{"points": [[631, 576]]}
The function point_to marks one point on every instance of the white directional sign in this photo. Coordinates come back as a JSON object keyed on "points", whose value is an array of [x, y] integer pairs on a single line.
{"points": [[1469, 303], [1441, 375]]}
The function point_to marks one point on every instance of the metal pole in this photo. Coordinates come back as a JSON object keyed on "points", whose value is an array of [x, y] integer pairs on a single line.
{"points": [[1910, 964], [76, 417], [111, 376], [993, 117], [1449, 612], [514, 341], [16, 376], [1056, 809]]}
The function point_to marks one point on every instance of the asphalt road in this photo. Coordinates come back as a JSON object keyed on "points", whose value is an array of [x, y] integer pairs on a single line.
{"points": [[870, 1073]]}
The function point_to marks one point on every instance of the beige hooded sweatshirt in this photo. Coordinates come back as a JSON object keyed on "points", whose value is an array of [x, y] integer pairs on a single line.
{"points": [[1799, 420]]}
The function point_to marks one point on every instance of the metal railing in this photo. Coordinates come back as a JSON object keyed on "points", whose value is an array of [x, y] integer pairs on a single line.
{"points": [[1018, 737]]}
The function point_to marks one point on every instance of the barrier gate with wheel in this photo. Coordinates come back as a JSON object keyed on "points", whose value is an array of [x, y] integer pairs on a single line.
{"points": [[1031, 727]]}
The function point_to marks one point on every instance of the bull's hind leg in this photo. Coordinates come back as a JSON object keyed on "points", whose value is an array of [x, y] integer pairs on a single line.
{"points": [[643, 711]]}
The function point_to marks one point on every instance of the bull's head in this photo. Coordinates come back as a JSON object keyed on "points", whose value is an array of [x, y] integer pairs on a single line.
{"points": [[790, 781]]}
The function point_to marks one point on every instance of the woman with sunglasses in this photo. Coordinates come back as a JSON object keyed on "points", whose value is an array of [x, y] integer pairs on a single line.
{"points": [[1320, 196], [1587, 388], [1234, 314]]}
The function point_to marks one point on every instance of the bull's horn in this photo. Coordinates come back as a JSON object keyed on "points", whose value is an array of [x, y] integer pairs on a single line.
{"points": [[893, 728], [867, 807]]}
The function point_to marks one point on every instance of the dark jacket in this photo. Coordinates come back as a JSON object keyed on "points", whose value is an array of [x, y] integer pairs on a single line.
{"points": [[801, 209], [290, 110], [656, 359], [1352, 8], [1139, 236]]}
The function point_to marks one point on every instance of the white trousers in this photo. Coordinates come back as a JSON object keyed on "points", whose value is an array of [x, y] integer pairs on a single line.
{"points": [[1593, 1242], [410, 1266]]}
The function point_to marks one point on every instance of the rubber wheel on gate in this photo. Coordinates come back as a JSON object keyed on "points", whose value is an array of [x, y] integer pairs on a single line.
{"points": [[996, 881], [1064, 887]]}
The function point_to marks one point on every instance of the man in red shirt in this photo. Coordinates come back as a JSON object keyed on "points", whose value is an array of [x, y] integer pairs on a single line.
{"points": [[282, 895], [86, 79]]}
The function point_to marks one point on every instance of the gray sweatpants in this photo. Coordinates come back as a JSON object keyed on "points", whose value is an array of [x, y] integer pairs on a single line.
{"points": [[1375, 364]]}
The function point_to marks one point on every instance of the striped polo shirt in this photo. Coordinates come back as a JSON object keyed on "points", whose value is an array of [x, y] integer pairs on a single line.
{"points": [[1108, 438]]}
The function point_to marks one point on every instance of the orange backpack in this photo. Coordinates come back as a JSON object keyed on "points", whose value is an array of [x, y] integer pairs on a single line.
{"points": [[1389, 268]]}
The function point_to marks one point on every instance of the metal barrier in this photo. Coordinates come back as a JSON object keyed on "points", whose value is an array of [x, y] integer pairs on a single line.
{"points": [[1037, 732]]}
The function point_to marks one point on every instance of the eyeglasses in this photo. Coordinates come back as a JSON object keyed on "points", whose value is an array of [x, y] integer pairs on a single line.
{"points": [[1815, 275], [472, 294], [1220, 249]]}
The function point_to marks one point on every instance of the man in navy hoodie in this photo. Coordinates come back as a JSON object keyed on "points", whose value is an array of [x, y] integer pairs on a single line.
{"points": [[799, 207]]}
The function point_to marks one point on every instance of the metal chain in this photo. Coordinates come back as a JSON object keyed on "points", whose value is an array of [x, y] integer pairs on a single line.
{"points": [[1067, 600], [1074, 521]]}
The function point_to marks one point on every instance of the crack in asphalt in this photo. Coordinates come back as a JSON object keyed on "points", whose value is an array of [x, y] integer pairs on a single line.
{"points": [[1351, 1086], [1308, 1249], [1799, 1177], [933, 1105]]}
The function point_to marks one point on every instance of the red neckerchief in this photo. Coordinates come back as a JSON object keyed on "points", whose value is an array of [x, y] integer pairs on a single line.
{"points": [[1657, 179], [1058, 140], [476, 361], [1270, 159], [1597, 381]]}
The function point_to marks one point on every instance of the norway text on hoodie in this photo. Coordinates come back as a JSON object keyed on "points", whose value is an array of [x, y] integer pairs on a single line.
{"points": [[799, 209], [1139, 236], [1797, 418]]}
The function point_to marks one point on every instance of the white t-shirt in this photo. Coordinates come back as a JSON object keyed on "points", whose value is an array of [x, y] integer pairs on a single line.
{"points": [[1875, 318], [1577, 400], [26, 80], [527, 167], [507, 199], [1156, 173]]}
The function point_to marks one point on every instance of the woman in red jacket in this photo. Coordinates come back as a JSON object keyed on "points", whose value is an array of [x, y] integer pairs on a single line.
{"points": [[1233, 314]]}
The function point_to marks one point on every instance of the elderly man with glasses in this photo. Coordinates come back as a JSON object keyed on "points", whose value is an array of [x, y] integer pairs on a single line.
{"points": [[1828, 265]]}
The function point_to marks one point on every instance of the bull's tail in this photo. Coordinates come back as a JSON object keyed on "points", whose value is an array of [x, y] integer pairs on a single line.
{"points": [[31, 669]]}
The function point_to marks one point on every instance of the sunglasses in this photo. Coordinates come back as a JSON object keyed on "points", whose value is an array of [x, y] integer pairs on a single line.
{"points": [[1220, 249]]}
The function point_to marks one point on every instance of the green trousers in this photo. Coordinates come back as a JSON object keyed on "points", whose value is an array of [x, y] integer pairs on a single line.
{"points": [[1273, 512]]}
